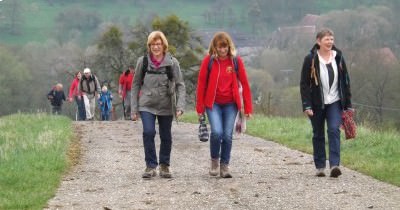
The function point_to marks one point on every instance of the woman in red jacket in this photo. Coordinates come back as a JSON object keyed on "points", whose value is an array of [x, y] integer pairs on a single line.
{"points": [[74, 93], [221, 75], [124, 91]]}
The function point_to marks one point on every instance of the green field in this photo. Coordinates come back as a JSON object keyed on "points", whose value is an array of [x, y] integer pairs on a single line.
{"points": [[374, 153], [39, 17], [33, 157]]}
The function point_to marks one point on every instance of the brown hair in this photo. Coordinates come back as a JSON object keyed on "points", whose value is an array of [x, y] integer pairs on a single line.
{"points": [[153, 36], [324, 32], [221, 39]]}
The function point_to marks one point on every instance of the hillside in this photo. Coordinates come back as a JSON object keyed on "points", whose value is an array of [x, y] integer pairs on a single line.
{"points": [[43, 19], [38, 19]]}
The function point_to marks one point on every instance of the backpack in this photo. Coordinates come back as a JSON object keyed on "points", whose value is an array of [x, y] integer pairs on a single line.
{"points": [[211, 61], [92, 78], [145, 70]]}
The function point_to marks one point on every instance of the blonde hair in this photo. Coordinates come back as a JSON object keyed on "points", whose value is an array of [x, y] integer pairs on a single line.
{"points": [[59, 85], [221, 39], [323, 33], [153, 36]]}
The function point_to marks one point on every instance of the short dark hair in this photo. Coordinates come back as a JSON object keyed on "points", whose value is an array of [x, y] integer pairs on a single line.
{"points": [[324, 32]]}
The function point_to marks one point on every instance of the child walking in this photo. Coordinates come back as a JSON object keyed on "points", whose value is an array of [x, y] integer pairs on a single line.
{"points": [[105, 103], [56, 97]]}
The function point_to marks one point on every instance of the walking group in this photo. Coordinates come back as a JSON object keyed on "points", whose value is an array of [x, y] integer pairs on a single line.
{"points": [[155, 91], [84, 90]]}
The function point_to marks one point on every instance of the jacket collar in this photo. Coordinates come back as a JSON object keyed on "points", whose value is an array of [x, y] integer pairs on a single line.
{"points": [[314, 49], [167, 61]]}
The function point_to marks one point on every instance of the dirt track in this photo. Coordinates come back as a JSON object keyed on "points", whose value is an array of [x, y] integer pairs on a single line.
{"points": [[266, 176]]}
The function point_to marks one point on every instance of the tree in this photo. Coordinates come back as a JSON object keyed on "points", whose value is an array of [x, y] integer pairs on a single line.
{"points": [[13, 16], [254, 15], [14, 83], [112, 55], [74, 20], [375, 86]]}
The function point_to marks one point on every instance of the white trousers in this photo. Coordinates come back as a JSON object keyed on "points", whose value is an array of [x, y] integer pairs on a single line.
{"points": [[90, 105]]}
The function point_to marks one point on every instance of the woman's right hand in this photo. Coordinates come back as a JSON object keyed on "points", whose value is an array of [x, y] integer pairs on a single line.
{"points": [[135, 116], [308, 112]]}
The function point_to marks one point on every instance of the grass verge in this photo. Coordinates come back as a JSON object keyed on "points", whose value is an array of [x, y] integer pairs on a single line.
{"points": [[34, 151], [374, 153]]}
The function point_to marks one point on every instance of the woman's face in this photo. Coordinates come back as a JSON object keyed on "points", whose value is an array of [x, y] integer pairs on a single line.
{"points": [[222, 50], [79, 75], [157, 48], [326, 42]]}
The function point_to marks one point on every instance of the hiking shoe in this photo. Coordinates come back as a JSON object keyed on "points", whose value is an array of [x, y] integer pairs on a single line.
{"points": [[224, 171], [164, 171], [149, 172], [320, 172], [335, 172], [214, 167]]}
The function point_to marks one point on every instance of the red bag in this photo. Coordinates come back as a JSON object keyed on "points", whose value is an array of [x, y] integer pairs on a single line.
{"points": [[348, 124]]}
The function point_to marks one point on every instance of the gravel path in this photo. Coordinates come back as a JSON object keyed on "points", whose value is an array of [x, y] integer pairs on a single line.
{"points": [[266, 176]]}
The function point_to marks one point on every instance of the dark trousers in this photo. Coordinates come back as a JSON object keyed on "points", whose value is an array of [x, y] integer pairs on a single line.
{"points": [[149, 133], [56, 109], [332, 115], [81, 108]]}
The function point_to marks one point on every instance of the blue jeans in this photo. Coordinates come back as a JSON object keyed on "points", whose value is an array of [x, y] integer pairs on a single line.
{"points": [[149, 132], [105, 115], [332, 114], [222, 121], [81, 108]]}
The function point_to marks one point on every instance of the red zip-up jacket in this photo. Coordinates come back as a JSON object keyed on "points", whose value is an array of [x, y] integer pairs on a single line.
{"points": [[206, 90], [74, 88], [125, 82]]}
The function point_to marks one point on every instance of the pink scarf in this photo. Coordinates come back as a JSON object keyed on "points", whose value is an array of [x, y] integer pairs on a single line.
{"points": [[155, 62]]}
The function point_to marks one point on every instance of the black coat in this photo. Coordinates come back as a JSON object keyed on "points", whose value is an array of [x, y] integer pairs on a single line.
{"points": [[312, 95], [56, 97]]}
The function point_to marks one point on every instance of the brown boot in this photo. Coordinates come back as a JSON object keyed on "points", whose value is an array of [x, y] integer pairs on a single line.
{"points": [[224, 172], [214, 167], [164, 171], [149, 172]]}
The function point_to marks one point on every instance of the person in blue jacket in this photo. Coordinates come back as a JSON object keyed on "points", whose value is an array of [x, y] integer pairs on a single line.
{"points": [[105, 103]]}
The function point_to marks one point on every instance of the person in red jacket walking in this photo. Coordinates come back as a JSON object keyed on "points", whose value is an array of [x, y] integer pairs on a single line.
{"points": [[124, 90], [74, 93], [218, 95]]}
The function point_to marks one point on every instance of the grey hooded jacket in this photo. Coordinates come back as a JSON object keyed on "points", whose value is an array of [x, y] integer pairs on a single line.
{"points": [[158, 95]]}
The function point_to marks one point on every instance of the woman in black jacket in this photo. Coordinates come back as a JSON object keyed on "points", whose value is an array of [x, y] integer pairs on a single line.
{"points": [[325, 93]]}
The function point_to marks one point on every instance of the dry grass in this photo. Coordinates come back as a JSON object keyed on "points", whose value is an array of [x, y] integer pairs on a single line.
{"points": [[75, 148]]}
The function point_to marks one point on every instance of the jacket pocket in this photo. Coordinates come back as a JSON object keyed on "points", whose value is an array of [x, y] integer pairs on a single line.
{"points": [[145, 98]]}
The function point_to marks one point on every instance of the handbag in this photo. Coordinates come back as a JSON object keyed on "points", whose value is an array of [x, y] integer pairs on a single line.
{"points": [[348, 124], [203, 131]]}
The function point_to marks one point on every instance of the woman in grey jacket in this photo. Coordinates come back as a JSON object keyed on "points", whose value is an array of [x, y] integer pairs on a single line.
{"points": [[158, 92]]}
